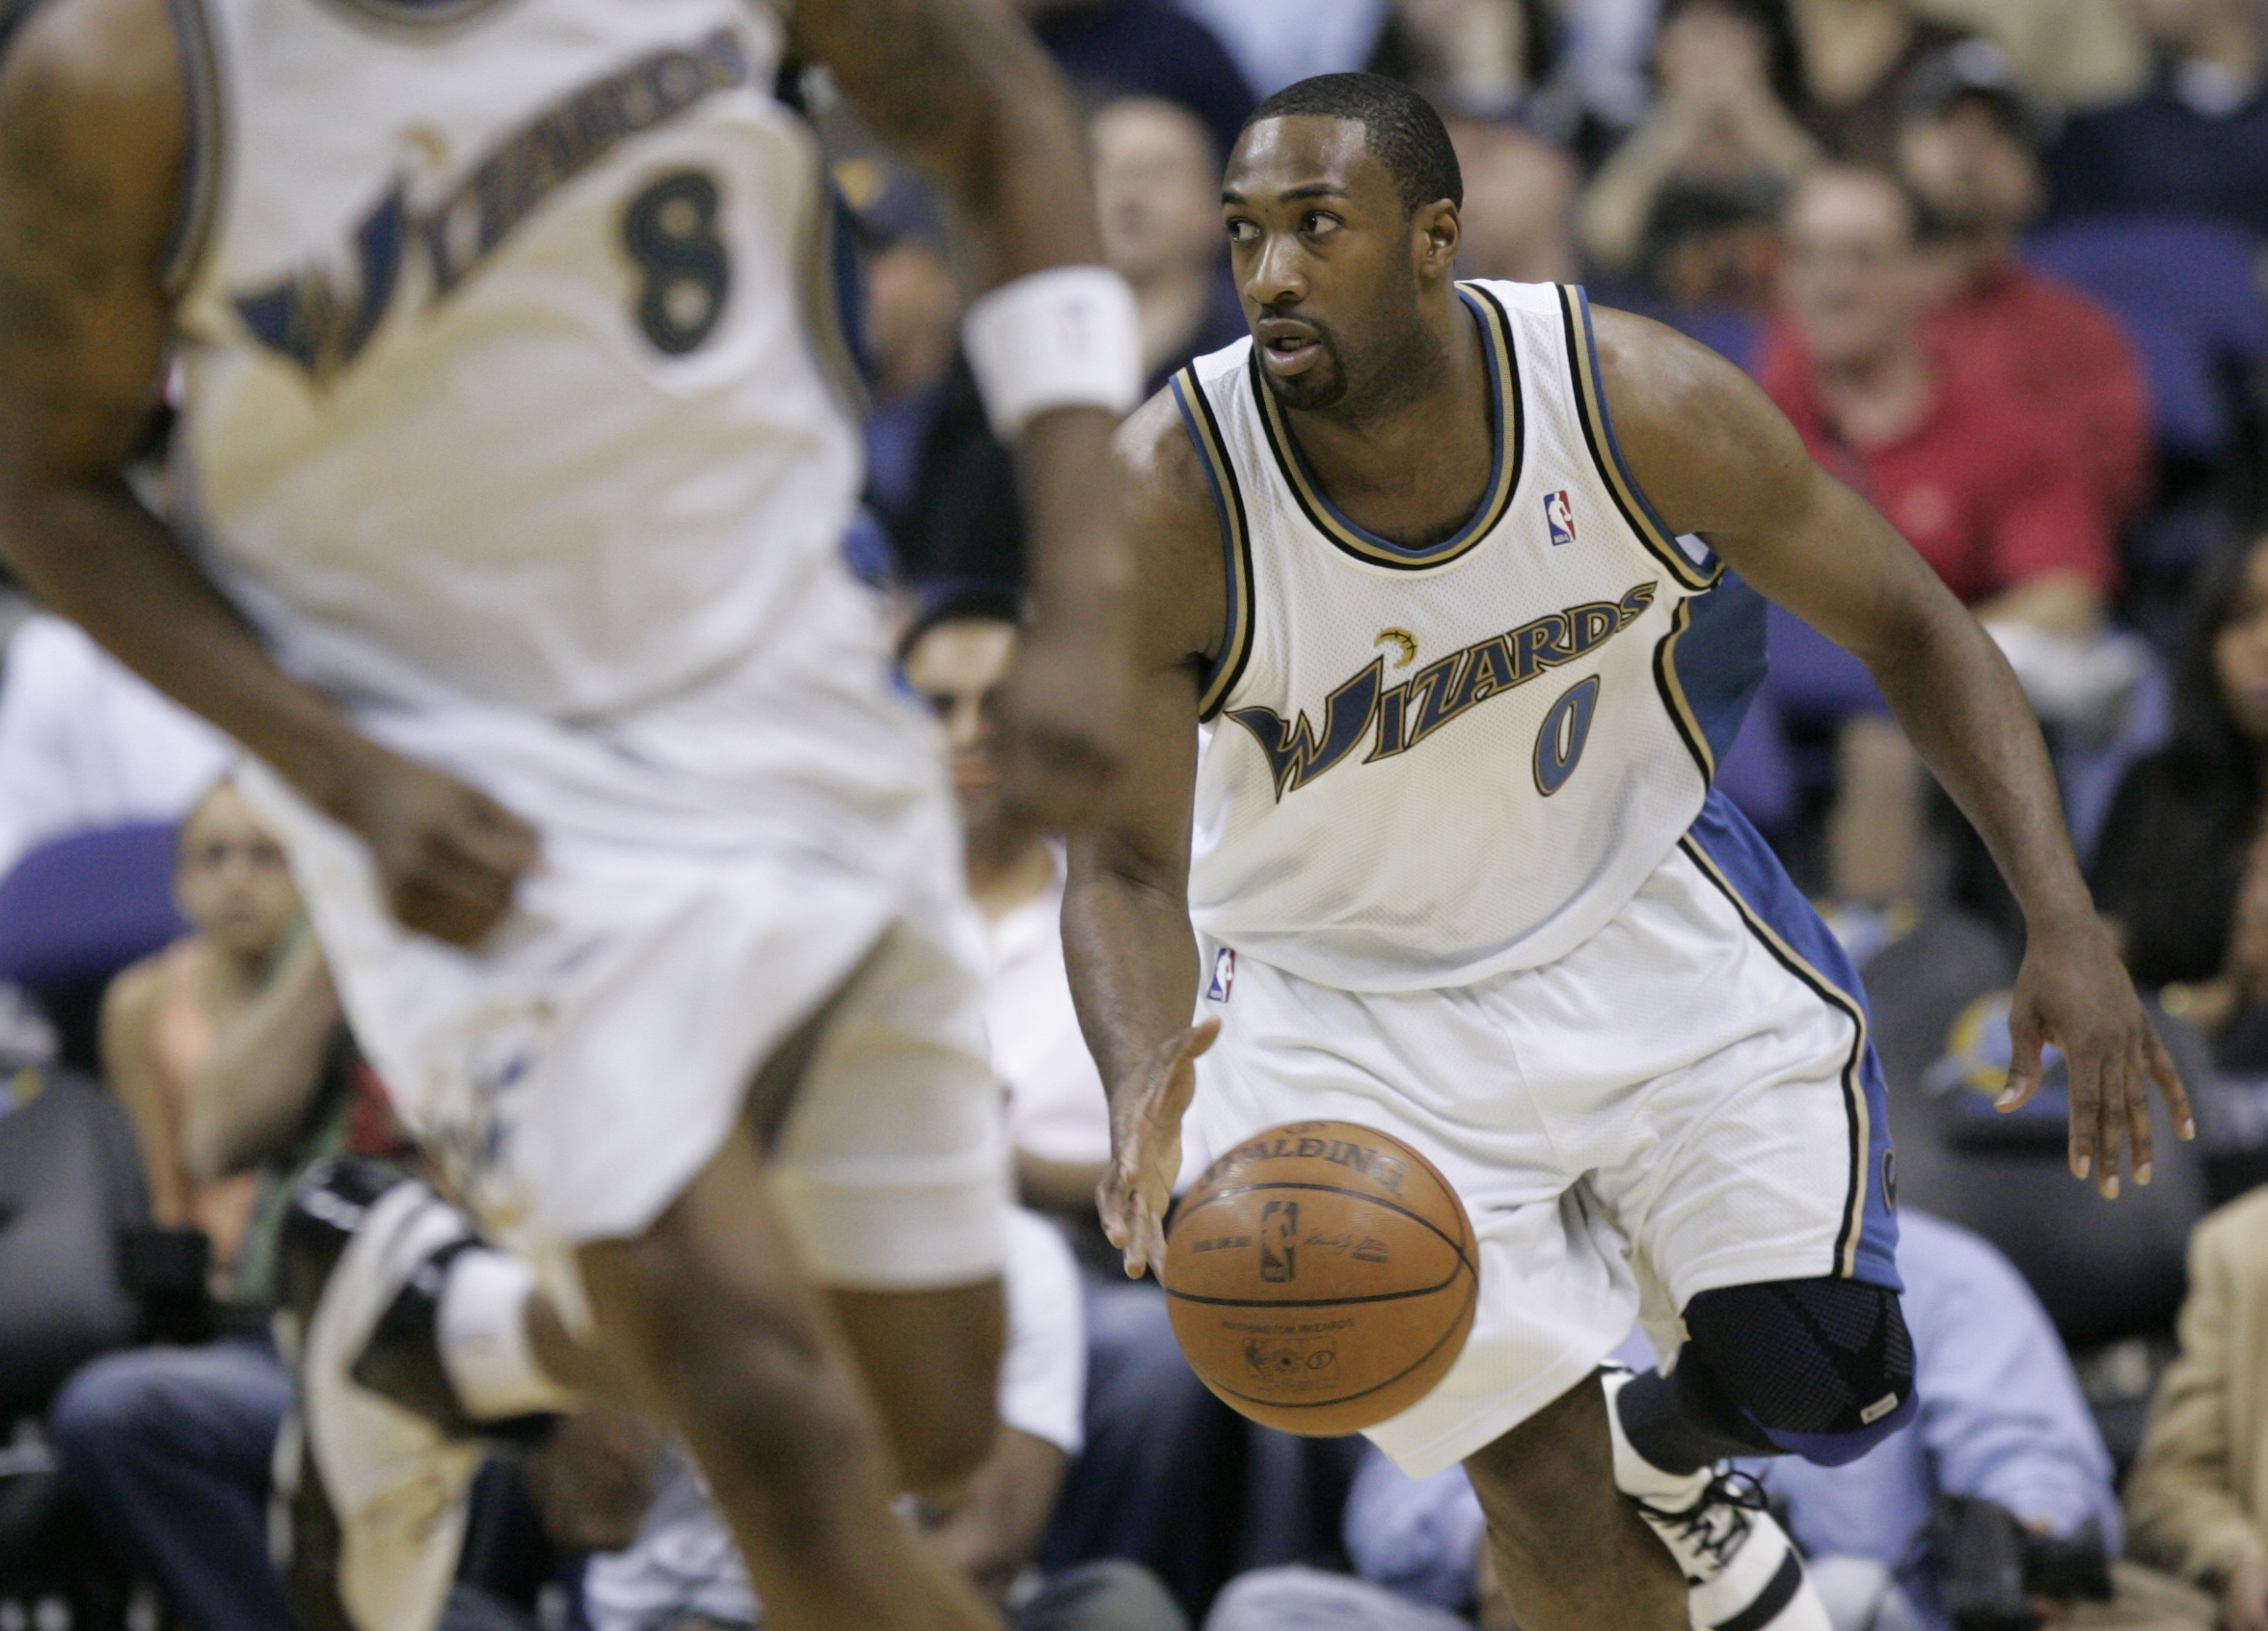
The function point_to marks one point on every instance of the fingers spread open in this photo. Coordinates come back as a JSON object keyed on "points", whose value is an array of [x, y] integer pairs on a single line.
{"points": [[2170, 1088], [2086, 1075], [2023, 1077], [2140, 1144]]}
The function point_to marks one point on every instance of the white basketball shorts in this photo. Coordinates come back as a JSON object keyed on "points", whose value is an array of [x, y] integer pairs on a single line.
{"points": [[572, 1075], [1687, 1100]]}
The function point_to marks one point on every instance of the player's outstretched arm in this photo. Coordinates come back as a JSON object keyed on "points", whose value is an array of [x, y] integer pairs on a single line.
{"points": [[1127, 936], [1717, 459], [93, 132], [964, 92]]}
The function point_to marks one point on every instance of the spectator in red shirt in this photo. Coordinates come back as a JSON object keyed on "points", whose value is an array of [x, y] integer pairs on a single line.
{"points": [[1961, 463], [1956, 458], [1965, 148]]}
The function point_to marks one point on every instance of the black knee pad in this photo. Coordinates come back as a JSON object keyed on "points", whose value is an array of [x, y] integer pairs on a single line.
{"points": [[1822, 1369]]}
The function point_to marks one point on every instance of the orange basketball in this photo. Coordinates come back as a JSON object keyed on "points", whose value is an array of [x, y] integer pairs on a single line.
{"points": [[1321, 1277]]}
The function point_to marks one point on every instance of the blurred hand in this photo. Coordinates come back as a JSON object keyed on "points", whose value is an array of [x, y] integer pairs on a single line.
{"points": [[593, 1480], [2244, 1596], [1061, 727], [2074, 992], [448, 856], [1146, 1149]]}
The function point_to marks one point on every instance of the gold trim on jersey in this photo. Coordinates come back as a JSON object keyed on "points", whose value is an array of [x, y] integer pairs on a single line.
{"points": [[1496, 331], [1672, 687], [201, 195], [1853, 1068], [1205, 431], [1598, 427]]}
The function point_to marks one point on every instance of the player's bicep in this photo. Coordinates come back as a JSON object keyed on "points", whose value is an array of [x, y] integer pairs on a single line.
{"points": [[92, 137], [1718, 459]]}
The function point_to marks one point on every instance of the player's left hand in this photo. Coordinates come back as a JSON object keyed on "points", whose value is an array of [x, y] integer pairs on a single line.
{"points": [[2074, 992]]}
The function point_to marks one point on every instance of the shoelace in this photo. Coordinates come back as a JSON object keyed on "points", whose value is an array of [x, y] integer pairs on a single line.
{"points": [[1715, 1525]]}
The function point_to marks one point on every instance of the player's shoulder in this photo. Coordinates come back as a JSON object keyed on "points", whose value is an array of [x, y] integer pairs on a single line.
{"points": [[1162, 460], [1649, 370], [1175, 521], [67, 53]]}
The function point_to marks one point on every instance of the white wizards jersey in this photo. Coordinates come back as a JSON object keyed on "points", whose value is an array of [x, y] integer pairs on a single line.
{"points": [[497, 323], [1425, 766]]}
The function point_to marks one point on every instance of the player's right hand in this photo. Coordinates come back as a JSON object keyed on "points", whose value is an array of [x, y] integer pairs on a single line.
{"points": [[1062, 730], [448, 855], [1146, 1149]]}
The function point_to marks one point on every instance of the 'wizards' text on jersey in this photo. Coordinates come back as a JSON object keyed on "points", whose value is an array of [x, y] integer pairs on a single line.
{"points": [[1441, 855]]}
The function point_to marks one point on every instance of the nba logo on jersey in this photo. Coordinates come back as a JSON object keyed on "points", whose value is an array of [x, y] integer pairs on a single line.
{"points": [[1560, 514], [1224, 975]]}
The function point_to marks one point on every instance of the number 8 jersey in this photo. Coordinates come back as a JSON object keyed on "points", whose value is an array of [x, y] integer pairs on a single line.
{"points": [[1425, 766], [509, 372]]}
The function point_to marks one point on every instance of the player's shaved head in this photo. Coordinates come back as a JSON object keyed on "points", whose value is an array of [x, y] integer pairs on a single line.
{"points": [[1399, 127]]}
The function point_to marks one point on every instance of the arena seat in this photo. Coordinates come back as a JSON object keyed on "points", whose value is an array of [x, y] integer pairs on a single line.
{"points": [[75, 911]]}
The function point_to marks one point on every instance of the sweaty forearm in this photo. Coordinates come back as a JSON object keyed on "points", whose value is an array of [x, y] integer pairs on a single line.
{"points": [[1962, 709], [93, 553], [1133, 963]]}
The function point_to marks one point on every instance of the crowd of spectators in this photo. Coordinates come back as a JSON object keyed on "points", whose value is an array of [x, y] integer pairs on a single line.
{"points": [[1998, 260]]}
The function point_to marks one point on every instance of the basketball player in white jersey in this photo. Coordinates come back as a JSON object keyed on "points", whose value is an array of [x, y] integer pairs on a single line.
{"points": [[503, 528], [1439, 656]]}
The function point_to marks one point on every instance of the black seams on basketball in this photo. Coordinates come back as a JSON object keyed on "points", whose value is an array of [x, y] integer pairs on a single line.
{"points": [[1321, 1276]]}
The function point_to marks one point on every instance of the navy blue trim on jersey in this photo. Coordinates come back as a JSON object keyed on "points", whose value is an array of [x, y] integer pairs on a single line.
{"points": [[1212, 451], [1734, 857], [202, 161], [1598, 428], [1710, 667], [1506, 456]]}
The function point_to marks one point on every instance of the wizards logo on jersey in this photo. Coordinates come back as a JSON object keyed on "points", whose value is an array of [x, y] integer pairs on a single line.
{"points": [[1407, 714], [322, 319], [1560, 516]]}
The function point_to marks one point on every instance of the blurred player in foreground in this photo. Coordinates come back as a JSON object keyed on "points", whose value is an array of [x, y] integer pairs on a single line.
{"points": [[1467, 651], [508, 493]]}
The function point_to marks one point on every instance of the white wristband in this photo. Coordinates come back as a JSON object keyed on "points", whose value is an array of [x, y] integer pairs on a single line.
{"points": [[1065, 338]]}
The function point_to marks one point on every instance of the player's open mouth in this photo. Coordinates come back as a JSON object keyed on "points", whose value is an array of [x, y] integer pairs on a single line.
{"points": [[1289, 353]]}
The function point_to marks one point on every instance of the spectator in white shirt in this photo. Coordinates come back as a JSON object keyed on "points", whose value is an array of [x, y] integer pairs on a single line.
{"points": [[955, 655]]}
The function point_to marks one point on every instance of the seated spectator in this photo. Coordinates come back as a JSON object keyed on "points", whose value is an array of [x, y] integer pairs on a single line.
{"points": [[939, 481], [956, 653], [1334, 36], [1144, 48], [1965, 148], [1729, 78], [1958, 462], [1475, 59], [227, 1048], [2196, 142], [1857, 55], [1518, 204], [2181, 867], [1961, 463], [2197, 1501], [1158, 187], [2002, 1421], [84, 743], [683, 1572]]}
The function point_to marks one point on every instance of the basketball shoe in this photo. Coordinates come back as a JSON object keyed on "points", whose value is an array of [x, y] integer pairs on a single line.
{"points": [[1742, 1571], [376, 1461]]}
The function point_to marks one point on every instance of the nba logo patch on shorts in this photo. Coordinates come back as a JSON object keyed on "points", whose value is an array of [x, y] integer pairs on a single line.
{"points": [[1559, 515], [1224, 975]]}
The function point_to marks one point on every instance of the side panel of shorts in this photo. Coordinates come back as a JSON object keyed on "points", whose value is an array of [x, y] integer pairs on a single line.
{"points": [[573, 1074]]}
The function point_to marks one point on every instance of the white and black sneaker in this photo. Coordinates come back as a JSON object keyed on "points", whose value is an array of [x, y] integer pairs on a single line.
{"points": [[371, 1479], [1742, 1571]]}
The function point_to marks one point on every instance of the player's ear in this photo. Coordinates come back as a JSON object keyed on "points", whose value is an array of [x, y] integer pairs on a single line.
{"points": [[1437, 231]]}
